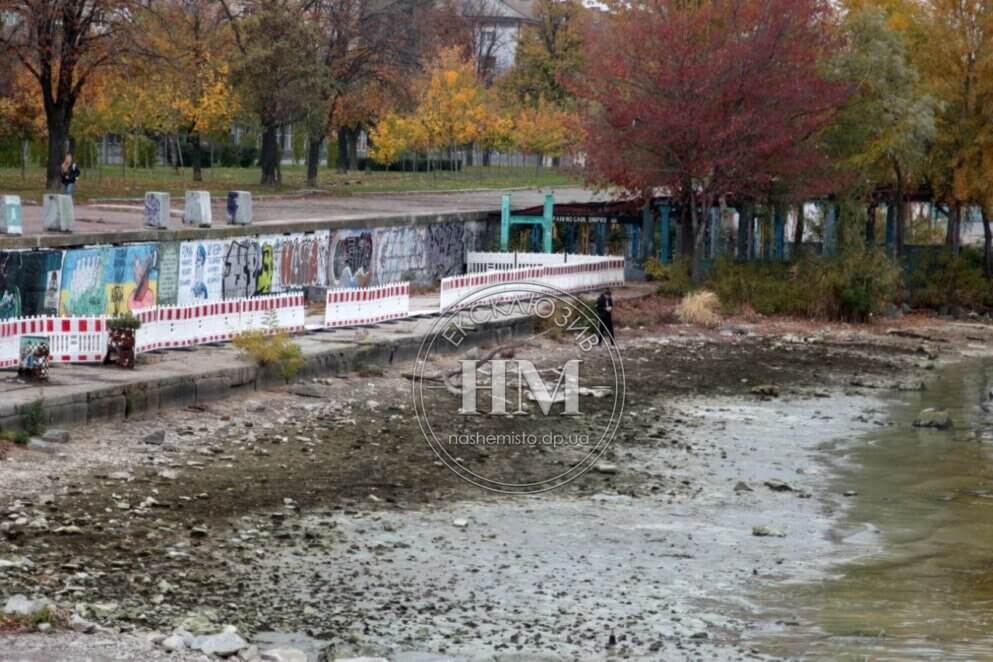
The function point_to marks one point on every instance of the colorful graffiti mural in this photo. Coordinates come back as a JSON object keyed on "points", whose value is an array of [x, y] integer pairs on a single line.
{"points": [[116, 279], [29, 283]]}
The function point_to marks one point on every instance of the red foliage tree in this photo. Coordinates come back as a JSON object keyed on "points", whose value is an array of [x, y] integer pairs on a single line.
{"points": [[706, 98]]}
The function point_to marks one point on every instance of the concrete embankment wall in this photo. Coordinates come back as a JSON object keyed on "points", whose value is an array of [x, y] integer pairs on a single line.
{"points": [[235, 378], [114, 273]]}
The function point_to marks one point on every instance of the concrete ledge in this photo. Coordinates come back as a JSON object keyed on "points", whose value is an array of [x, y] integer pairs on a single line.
{"points": [[229, 231], [135, 399]]}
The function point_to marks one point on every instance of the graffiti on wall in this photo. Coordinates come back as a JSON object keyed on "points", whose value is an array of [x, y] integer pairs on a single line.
{"points": [[132, 278], [84, 290], [425, 253], [168, 273], [301, 260], [29, 283], [243, 269], [351, 258], [201, 272]]}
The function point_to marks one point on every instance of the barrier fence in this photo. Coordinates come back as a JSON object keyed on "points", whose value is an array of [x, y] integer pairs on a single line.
{"points": [[576, 276], [367, 305], [481, 262], [85, 339]]}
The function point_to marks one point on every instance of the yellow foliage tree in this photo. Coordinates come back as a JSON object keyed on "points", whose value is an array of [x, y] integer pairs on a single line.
{"points": [[544, 130]]}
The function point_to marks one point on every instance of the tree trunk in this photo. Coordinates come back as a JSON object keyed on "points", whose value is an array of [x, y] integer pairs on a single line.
{"points": [[269, 158], [196, 157], [952, 234], [987, 247], [744, 225], [487, 155], [901, 213], [353, 149], [343, 149], [685, 231], [798, 234], [313, 159], [699, 224], [58, 119], [870, 227]]}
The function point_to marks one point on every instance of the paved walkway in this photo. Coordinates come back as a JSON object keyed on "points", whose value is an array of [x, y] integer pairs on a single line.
{"points": [[273, 211]]}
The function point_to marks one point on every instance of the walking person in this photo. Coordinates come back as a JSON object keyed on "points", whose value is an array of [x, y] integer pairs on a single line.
{"points": [[605, 313], [70, 173]]}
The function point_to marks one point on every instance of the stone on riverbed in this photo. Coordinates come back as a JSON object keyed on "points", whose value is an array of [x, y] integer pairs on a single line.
{"points": [[933, 418], [224, 644], [55, 436], [767, 532], [284, 655], [21, 605]]}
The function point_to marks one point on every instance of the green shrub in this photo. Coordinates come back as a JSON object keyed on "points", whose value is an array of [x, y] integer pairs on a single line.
{"points": [[851, 287], [673, 279], [272, 349], [33, 418], [141, 151], [939, 279]]}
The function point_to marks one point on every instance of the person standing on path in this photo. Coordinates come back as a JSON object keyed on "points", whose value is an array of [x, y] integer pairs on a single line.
{"points": [[70, 173], [605, 313]]}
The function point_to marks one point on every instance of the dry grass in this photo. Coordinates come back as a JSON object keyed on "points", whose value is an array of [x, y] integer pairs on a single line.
{"points": [[700, 308]]}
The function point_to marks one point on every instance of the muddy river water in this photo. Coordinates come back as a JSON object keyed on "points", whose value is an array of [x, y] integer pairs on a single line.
{"points": [[917, 539]]}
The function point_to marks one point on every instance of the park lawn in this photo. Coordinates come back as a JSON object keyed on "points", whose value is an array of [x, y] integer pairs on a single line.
{"points": [[108, 182]]}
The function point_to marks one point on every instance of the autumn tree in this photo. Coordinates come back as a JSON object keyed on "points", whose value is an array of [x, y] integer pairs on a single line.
{"points": [[544, 130], [957, 67], [184, 48], [705, 98], [881, 135], [277, 71], [21, 114], [550, 52], [62, 43]]}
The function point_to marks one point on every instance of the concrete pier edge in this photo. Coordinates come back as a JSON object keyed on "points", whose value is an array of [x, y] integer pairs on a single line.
{"points": [[97, 404]]}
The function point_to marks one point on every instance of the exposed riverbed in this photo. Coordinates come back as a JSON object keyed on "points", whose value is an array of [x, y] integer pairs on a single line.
{"points": [[327, 524]]}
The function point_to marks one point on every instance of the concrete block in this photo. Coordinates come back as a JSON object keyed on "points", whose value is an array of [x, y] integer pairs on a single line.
{"points": [[239, 208], [107, 408], [196, 210], [178, 394], [157, 210], [58, 213], [66, 413], [10, 215], [141, 400], [212, 388]]}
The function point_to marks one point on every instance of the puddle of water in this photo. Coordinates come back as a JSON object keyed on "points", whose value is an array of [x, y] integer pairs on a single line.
{"points": [[918, 537]]}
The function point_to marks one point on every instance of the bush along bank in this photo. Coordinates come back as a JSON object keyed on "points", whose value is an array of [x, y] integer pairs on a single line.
{"points": [[853, 287]]}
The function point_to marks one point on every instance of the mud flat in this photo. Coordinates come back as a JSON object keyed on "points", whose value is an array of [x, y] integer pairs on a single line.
{"points": [[316, 517]]}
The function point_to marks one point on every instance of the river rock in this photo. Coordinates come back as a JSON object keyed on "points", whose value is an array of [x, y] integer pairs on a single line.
{"points": [[742, 486], [778, 486], [766, 390], [767, 532], [21, 605], [80, 624], [224, 644], [174, 643], [933, 418], [605, 468], [284, 655], [154, 438], [254, 407], [56, 436], [36, 444]]}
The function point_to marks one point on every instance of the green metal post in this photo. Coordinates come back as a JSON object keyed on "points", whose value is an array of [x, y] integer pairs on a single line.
{"points": [[548, 221], [505, 222]]}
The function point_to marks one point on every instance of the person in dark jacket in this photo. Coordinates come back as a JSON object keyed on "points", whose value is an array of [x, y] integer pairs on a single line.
{"points": [[70, 173], [605, 313]]}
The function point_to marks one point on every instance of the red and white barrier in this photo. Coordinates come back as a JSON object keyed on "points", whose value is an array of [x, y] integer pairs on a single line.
{"points": [[481, 262], [367, 305], [10, 344], [184, 326], [579, 276]]}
